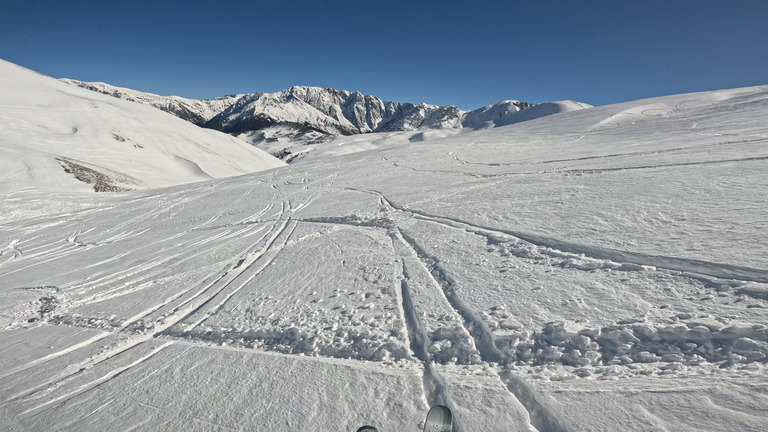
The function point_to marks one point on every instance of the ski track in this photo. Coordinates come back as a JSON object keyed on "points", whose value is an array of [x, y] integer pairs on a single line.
{"points": [[686, 265], [72, 371], [601, 157], [246, 266], [152, 269], [190, 308], [432, 383], [251, 256], [88, 386], [538, 416], [176, 316], [566, 170], [581, 171], [55, 355]]}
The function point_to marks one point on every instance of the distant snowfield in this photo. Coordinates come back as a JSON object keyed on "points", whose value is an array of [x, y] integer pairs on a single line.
{"points": [[47, 127], [602, 269]]}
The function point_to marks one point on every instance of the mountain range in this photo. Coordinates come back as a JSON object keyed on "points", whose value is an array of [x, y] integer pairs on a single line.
{"points": [[313, 114]]}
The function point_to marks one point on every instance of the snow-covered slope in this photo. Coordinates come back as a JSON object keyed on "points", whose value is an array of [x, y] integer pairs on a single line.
{"points": [[193, 110], [596, 270], [510, 112], [65, 138], [308, 115]]}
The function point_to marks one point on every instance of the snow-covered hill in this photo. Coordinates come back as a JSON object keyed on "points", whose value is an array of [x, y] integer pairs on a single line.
{"points": [[193, 110], [596, 270], [310, 115], [60, 137]]}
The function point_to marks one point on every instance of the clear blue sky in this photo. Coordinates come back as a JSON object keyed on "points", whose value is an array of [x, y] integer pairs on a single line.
{"points": [[464, 53]]}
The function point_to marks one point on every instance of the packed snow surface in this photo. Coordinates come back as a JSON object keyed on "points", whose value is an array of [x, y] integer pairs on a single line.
{"points": [[598, 270]]}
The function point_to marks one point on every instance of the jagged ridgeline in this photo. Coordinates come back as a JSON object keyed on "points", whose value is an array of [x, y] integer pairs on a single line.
{"points": [[301, 110]]}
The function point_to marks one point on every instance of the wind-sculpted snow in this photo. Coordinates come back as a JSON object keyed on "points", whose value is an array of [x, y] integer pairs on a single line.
{"points": [[554, 274]]}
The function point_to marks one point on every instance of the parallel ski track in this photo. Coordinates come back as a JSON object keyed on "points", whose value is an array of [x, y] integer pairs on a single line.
{"points": [[432, 383], [566, 170], [246, 266], [177, 315], [540, 418], [214, 291], [92, 384]]}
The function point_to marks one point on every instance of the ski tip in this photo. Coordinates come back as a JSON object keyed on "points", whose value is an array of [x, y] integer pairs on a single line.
{"points": [[442, 408], [439, 419], [367, 429]]}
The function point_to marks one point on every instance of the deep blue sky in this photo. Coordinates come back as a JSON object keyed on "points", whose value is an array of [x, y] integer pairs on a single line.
{"points": [[465, 53]]}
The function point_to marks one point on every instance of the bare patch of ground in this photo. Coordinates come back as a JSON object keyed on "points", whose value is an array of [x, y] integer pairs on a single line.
{"points": [[104, 180]]}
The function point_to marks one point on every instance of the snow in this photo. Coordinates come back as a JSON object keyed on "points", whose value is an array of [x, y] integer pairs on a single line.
{"points": [[293, 122], [193, 110], [305, 147], [303, 150], [49, 127], [599, 269]]}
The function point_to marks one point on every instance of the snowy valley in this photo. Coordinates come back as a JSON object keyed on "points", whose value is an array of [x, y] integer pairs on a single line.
{"points": [[591, 269]]}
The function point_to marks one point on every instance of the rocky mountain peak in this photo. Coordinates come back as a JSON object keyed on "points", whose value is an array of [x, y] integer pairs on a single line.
{"points": [[320, 113]]}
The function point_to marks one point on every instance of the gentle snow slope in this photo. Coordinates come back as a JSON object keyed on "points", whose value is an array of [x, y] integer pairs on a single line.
{"points": [[47, 126], [598, 270]]}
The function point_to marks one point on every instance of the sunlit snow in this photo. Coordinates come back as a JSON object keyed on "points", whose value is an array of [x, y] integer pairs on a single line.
{"points": [[601, 269], [57, 138]]}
